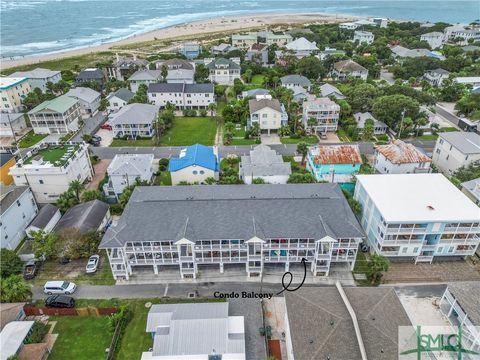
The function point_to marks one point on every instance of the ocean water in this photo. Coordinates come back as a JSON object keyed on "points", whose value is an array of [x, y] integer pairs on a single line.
{"points": [[34, 27]]}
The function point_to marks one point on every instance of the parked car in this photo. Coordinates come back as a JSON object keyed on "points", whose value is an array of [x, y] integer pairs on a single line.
{"points": [[59, 287], [31, 268], [60, 301], [92, 264], [96, 138], [106, 126]]}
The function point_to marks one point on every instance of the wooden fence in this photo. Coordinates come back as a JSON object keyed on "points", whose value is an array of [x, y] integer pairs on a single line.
{"points": [[88, 311]]}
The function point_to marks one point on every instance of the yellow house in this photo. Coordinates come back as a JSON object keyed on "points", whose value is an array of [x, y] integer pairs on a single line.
{"points": [[12, 92], [7, 160]]}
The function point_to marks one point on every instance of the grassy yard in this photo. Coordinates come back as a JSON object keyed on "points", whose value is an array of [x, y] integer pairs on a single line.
{"points": [[189, 131], [361, 267], [80, 337], [434, 137], [31, 139], [342, 135], [239, 138], [258, 79], [311, 139], [163, 179]]}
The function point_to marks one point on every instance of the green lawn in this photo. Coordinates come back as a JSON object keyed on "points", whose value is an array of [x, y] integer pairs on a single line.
{"points": [[308, 139], [54, 154], [163, 179], [342, 135], [31, 139], [239, 138], [361, 267], [80, 337], [258, 79]]}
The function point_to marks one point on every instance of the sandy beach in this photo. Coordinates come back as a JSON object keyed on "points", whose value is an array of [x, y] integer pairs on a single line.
{"points": [[214, 25]]}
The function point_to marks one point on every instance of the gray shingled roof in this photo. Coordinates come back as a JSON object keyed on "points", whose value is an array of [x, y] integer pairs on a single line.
{"points": [[9, 195], [254, 105], [321, 327], [6, 118], [5, 157], [38, 73], [83, 93], [44, 216], [135, 114], [295, 79], [467, 294], [156, 213], [83, 217], [123, 94], [466, 142], [348, 66], [131, 164], [88, 74], [264, 161], [222, 61], [145, 74]]}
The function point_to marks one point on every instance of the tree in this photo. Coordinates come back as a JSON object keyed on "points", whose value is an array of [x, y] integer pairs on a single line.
{"points": [[258, 181], [468, 104], [79, 245], [87, 138], [164, 72], [125, 196], [467, 173], [212, 107], [361, 97], [311, 67], [44, 244], [301, 178], [89, 195], [392, 108], [302, 149], [312, 122], [238, 86], [219, 91], [201, 73], [104, 103], [377, 265], [141, 95], [14, 289], [76, 187], [10, 263], [248, 75], [368, 130]]}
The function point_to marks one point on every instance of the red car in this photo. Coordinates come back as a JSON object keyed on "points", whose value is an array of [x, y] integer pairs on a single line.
{"points": [[106, 126]]}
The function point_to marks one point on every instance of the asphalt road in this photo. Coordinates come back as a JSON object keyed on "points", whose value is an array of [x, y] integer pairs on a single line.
{"points": [[447, 115]]}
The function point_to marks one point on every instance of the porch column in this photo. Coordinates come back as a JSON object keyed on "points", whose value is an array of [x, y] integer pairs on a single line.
{"points": [[155, 269]]}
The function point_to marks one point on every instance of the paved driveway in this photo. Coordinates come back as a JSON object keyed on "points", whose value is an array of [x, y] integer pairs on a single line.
{"points": [[106, 135], [90, 126]]}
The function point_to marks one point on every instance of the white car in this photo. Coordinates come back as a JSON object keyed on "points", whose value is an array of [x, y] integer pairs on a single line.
{"points": [[59, 287], [92, 264]]}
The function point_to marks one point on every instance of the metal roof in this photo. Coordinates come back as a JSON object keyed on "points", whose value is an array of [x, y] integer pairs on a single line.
{"points": [[465, 142], [473, 187], [195, 155], [197, 212], [328, 89], [38, 73], [145, 74], [302, 44], [398, 152], [337, 154], [12, 337], [59, 104], [131, 165]]}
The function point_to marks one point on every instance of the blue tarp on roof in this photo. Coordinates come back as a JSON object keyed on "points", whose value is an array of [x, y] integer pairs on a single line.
{"points": [[199, 155]]}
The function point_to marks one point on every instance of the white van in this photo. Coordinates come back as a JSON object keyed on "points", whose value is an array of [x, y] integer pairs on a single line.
{"points": [[59, 287]]}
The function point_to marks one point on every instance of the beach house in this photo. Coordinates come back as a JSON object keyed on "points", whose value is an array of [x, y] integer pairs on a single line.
{"points": [[39, 78], [144, 76], [134, 120], [436, 77], [345, 68], [456, 149], [324, 111], [190, 49], [12, 123], [179, 71], [301, 47], [258, 53], [90, 75], [434, 39], [379, 127], [268, 113], [244, 41], [118, 99], [195, 165], [223, 71], [13, 91], [88, 99], [399, 157], [183, 96], [363, 37], [264, 163], [58, 116], [327, 90]]}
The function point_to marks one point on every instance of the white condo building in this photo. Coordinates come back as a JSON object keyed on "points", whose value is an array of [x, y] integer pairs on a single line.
{"points": [[456, 149]]}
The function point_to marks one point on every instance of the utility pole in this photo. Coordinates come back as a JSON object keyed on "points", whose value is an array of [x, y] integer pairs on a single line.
{"points": [[401, 124]]}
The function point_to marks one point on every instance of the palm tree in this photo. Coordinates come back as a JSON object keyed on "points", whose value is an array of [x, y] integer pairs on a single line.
{"points": [[76, 187], [302, 149], [14, 289], [229, 126], [377, 265], [212, 107]]}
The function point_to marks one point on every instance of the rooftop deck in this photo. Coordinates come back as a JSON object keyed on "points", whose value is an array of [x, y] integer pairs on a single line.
{"points": [[57, 155]]}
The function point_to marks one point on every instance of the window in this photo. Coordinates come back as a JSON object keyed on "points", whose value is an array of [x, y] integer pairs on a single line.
{"points": [[18, 203], [202, 172], [404, 250], [415, 250], [40, 181], [195, 172]]}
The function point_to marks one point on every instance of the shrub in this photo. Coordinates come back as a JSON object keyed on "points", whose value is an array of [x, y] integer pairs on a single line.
{"points": [[203, 112], [190, 112], [116, 209], [10, 263], [39, 330]]}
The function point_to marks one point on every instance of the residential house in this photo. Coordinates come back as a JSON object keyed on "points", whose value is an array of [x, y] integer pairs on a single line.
{"points": [[88, 99], [295, 81], [264, 163], [258, 53], [459, 305], [244, 41], [334, 163], [195, 165], [270, 38], [254, 93], [18, 209], [434, 39], [12, 124], [417, 216], [436, 77], [325, 112], [400, 53], [472, 190], [456, 149], [399, 157], [49, 168], [7, 160], [145, 76], [191, 50], [473, 81], [379, 127], [460, 32], [58, 116], [179, 71], [470, 48], [123, 67], [380, 22], [11, 312], [268, 113], [90, 74], [93, 215], [39, 78], [12, 339], [118, 99], [349, 26], [125, 169], [13, 91], [195, 331], [223, 71], [348, 317], [222, 49], [46, 220], [301, 47], [345, 68], [324, 54], [363, 37], [219, 226], [327, 90], [134, 120], [183, 96]]}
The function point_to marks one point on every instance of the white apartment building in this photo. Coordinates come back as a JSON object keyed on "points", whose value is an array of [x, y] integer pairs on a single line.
{"points": [[134, 120], [259, 227], [325, 111], [49, 168], [39, 78], [399, 157], [12, 91], [223, 71], [268, 113], [417, 216], [456, 149], [183, 96], [17, 209], [244, 40], [434, 39], [363, 37], [58, 116]]}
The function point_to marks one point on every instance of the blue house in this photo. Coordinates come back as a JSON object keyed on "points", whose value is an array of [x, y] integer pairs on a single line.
{"points": [[195, 165], [190, 50], [334, 163]]}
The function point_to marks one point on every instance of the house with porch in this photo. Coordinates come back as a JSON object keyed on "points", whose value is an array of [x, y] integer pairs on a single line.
{"points": [[190, 49], [39, 78], [327, 90], [344, 68], [334, 163], [88, 99], [363, 37], [244, 41], [144, 76], [434, 39], [379, 127], [90, 74], [258, 53], [118, 99], [456, 149], [417, 216], [195, 165], [183, 96], [301, 47], [134, 120], [58, 116], [399, 157], [294, 82], [268, 113], [264, 163], [436, 77], [325, 112], [223, 71], [220, 227]]}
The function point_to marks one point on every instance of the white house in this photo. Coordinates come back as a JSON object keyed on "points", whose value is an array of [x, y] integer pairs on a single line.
{"points": [[473, 81], [134, 120], [58, 116], [268, 113], [39, 78], [12, 339], [460, 31], [195, 165], [436, 77], [325, 111], [88, 99], [400, 158], [301, 47], [327, 90], [344, 68], [349, 26], [12, 123], [244, 40], [417, 216], [118, 99], [144, 76], [363, 37], [49, 168], [46, 219], [295, 81], [472, 190], [264, 163], [183, 96], [456, 149], [200, 331], [379, 127], [125, 169], [18, 209], [223, 71], [434, 39]]}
